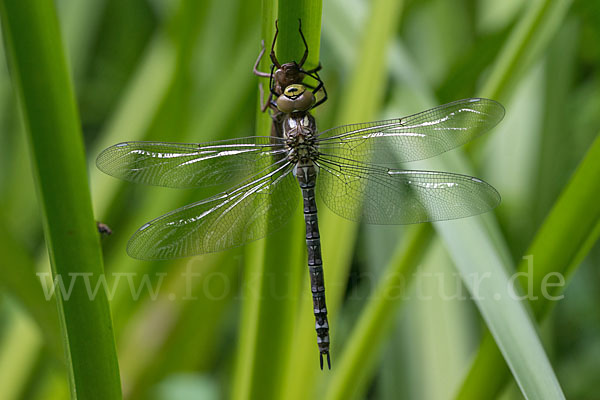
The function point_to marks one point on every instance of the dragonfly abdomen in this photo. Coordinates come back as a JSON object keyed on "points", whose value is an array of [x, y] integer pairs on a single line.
{"points": [[306, 176]]}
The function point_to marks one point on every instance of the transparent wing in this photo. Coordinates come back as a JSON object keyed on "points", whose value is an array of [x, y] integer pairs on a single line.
{"points": [[379, 195], [183, 165], [221, 222], [416, 137]]}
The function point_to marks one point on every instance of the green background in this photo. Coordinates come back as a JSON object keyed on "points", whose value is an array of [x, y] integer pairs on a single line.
{"points": [[238, 324]]}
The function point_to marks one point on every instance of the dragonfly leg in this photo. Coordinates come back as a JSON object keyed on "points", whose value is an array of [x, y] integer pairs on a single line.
{"points": [[274, 93], [322, 99], [264, 104], [316, 69], [260, 56], [305, 56], [272, 55], [320, 86], [277, 126]]}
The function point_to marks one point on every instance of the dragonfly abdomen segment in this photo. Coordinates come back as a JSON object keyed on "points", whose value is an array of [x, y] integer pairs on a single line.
{"points": [[306, 175], [315, 267]]}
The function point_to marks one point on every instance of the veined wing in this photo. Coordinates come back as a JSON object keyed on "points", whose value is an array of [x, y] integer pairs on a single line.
{"points": [[379, 195], [248, 212], [415, 137], [187, 165]]}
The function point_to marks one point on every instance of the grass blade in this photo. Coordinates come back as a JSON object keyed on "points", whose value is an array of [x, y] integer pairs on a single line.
{"points": [[268, 318], [361, 348], [483, 264], [564, 239], [502, 87], [42, 81], [359, 103], [528, 39], [17, 277]]}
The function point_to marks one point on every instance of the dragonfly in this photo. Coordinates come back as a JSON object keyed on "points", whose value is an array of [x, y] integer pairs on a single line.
{"points": [[347, 165], [352, 167]]}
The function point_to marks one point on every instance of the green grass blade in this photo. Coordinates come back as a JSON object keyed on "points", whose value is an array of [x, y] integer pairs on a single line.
{"points": [[524, 46], [133, 117], [80, 22], [489, 372], [568, 232], [501, 83], [17, 277], [359, 103], [563, 240], [483, 265], [19, 352], [275, 267], [209, 120], [193, 343], [289, 43], [248, 350], [361, 349], [485, 275], [504, 87], [42, 81]]}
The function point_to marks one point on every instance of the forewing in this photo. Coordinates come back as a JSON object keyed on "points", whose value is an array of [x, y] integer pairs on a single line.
{"points": [[379, 195], [188, 165], [415, 137], [246, 213]]}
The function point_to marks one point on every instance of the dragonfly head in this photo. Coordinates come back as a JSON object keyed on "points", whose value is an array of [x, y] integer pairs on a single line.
{"points": [[288, 74], [295, 98]]}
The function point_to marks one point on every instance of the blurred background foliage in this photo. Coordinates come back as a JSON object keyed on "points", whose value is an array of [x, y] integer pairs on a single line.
{"points": [[175, 70]]}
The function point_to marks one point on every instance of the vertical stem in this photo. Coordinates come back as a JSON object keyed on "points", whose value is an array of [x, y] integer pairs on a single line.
{"points": [[565, 237], [275, 267], [290, 46], [359, 102], [41, 79]]}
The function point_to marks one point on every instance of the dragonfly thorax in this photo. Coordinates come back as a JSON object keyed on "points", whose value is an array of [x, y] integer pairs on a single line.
{"points": [[299, 133]]}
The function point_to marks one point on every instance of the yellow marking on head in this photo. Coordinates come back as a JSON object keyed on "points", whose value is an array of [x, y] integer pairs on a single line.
{"points": [[294, 90]]}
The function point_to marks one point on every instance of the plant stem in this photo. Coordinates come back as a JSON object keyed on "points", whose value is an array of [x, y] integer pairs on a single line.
{"points": [[563, 240], [273, 276], [41, 78], [362, 347]]}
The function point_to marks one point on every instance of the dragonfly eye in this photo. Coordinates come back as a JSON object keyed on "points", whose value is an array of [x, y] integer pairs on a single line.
{"points": [[295, 98]]}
